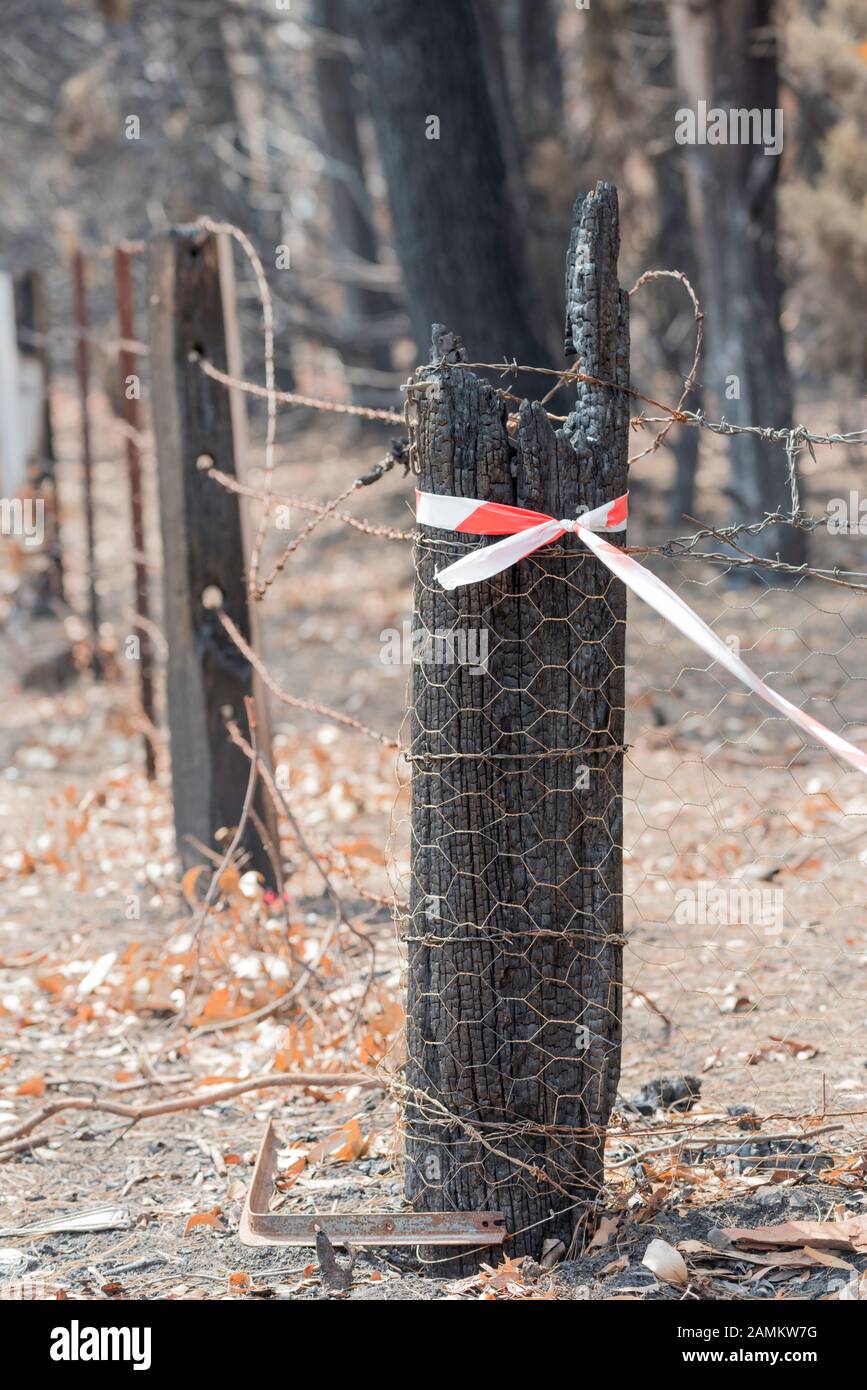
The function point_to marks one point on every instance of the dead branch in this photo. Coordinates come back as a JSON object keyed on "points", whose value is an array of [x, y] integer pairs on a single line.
{"points": [[135, 1113]]}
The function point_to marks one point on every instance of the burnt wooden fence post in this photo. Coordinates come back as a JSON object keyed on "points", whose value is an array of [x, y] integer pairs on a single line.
{"points": [[32, 321], [130, 400], [515, 928], [204, 554]]}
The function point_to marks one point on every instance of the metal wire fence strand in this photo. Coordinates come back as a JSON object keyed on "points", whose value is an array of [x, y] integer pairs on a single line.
{"points": [[294, 701], [252, 388], [264, 292], [690, 379], [323, 509]]}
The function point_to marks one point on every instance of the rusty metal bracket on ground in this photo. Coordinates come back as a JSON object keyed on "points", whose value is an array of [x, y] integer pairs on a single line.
{"points": [[259, 1226]]}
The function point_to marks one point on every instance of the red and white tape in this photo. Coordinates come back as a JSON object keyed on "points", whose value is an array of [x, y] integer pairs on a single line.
{"points": [[525, 531]]}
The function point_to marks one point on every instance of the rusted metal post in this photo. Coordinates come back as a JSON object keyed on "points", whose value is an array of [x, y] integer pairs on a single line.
{"points": [[129, 395], [82, 371]]}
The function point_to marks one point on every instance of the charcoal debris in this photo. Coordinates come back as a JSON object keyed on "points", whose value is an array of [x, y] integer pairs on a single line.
{"points": [[666, 1093]]}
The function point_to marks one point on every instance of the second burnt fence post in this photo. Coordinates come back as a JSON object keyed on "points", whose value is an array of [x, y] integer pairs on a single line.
{"points": [[204, 555], [515, 926]]}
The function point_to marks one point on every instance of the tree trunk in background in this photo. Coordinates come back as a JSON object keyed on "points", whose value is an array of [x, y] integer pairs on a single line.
{"points": [[666, 305], [351, 211], [219, 176], [515, 928], [674, 251], [525, 80], [541, 69], [455, 228], [726, 56], [207, 185], [817, 108]]}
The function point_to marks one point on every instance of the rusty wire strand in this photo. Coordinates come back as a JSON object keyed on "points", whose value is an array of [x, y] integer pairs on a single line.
{"points": [[267, 304], [293, 700], [252, 388], [367, 528]]}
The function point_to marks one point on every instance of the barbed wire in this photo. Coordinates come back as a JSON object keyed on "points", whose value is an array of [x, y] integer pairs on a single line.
{"points": [[295, 701], [252, 388], [323, 509], [266, 302]]}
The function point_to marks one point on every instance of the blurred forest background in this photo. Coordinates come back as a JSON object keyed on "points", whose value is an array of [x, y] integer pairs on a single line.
{"points": [[308, 123]]}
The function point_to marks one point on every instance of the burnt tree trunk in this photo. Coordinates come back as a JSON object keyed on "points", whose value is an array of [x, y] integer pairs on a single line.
{"points": [[725, 54], [522, 62], [515, 925], [541, 69], [455, 230], [669, 311], [351, 209], [31, 318]]}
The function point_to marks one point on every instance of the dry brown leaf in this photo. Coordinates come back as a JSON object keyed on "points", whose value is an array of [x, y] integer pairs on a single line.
{"points": [[850, 1233], [188, 884], [33, 1086], [53, 984], [343, 1146], [604, 1231], [824, 1257], [802, 1051], [615, 1266], [203, 1218], [217, 1005], [736, 1004], [288, 1176], [699, 1249], [229, 881]]}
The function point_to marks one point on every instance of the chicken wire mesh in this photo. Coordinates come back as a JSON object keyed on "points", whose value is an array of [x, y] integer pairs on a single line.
{"points": [[514, 935], [744, 847]]}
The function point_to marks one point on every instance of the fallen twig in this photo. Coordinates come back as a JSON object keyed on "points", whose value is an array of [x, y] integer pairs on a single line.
{"points": [[197, 1102]]}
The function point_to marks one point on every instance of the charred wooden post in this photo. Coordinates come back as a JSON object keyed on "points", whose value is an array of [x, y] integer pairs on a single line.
{"points": [[31, 314], [516, 914], [204, 555]]}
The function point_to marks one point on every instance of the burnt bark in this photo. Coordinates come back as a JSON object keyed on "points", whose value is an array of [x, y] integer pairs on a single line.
{"points": [[515, 928], [31, 318], [668, 309], [524, 72], [541, 69], [205, 546], [454, 224], [726, 56]]}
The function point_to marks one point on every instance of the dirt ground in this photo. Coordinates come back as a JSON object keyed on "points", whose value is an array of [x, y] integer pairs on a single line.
{"points": [[105, 993]]}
